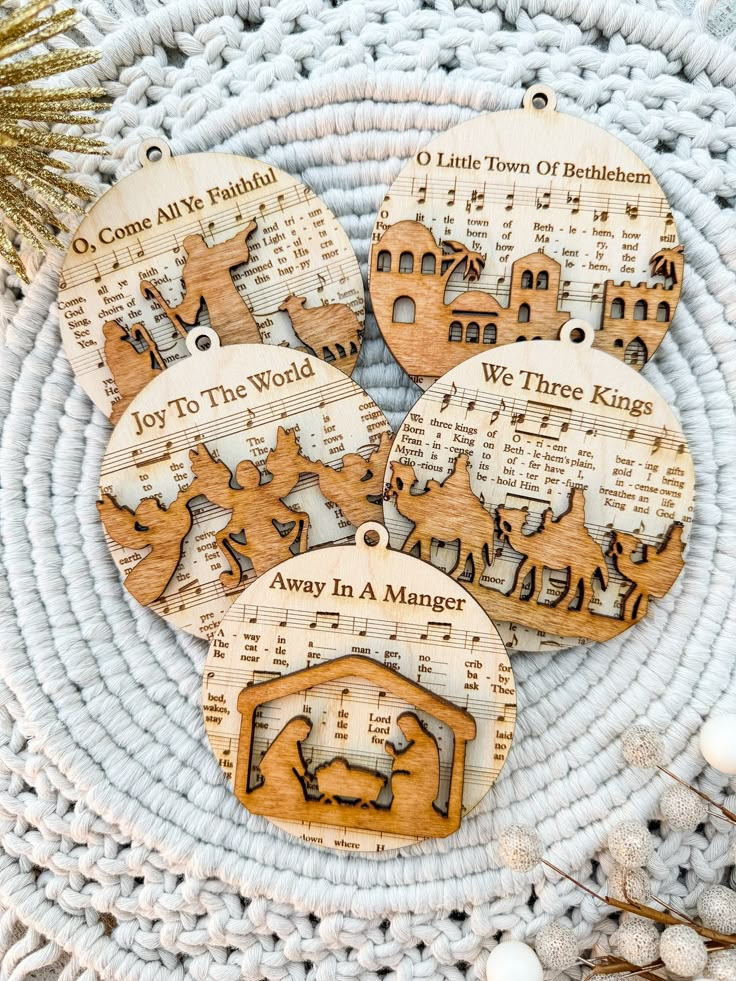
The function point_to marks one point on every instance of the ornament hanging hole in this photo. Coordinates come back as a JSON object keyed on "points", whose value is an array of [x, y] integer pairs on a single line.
{"points": [[540, 98], [153, 152], [372, 534], [202, 340], [577, 332]]}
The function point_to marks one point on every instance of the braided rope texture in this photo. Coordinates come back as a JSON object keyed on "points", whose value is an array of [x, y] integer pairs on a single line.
{"points": [[123, 854]]}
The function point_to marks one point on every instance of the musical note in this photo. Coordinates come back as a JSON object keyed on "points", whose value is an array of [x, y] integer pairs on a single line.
{"points": [[543, 199], [574, 200], [600, 216], [657, 442], [446, 399], [98, 276], [422, 195], [139, 252], [477, 198], [251, 417], [208, 677], [325, 620], [322, 283], [541, 419], [451, 192], [632, 210], [510, 198], [437, 631], [496, 413], [280, 200]]}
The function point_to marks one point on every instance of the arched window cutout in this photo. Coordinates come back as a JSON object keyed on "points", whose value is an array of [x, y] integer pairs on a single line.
{"points": [[428, 264], [618, 309], [489, 334], [635, 354], [456, 331], [640, 310], [663, 312], [527, 279], [383, 263], [524, 313], [542, 281], [472, 333], [404, 310], [406, 262]]}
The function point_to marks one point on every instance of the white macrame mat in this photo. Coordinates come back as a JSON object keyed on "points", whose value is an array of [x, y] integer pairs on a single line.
{"points": [[123, 854]]}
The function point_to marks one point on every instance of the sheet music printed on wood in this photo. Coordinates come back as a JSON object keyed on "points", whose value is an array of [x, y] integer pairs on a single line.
{"points": [[359, 698], [203, 239], [553, 482], [229, 462], [508, 225]]}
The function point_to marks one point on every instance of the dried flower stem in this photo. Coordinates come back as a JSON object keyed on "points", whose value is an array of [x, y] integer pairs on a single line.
{"points": [[647, 912], [709, 800]]}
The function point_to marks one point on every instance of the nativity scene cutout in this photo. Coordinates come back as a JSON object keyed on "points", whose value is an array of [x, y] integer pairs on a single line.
{"points": [[330, 331], [411, 272], [448, 513], [415, 798]]}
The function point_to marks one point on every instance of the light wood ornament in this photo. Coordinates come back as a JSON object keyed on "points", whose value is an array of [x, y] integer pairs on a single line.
{"points": [[553, 482], [203, 239], [359, 698], [512, 223], [229, 462]]}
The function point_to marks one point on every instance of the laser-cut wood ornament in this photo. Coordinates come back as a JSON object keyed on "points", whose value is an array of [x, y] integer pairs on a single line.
{"points": [[229, 462], [359, 698], [553, 482], [512, 223], [203, 239]]}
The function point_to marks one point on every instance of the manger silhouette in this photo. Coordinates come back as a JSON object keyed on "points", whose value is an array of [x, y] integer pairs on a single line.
{"points": [[339, 794]]}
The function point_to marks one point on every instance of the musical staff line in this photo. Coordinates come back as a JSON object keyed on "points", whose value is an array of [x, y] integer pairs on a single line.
{"points": [[378, 629], [527, 412], [271, 202], [161, 447], [540, 198]]}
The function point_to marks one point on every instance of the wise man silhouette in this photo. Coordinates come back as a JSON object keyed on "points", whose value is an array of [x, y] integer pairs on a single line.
{"points": [[206, 278]]}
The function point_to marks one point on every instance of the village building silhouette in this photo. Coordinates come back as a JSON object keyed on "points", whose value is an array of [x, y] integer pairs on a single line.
{"points": [[411, 272]]}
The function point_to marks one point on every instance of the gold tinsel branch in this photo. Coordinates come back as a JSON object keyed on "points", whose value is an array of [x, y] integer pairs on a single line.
{"points": [[33, 190]]}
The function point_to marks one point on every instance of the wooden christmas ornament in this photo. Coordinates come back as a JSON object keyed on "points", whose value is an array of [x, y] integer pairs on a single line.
{"points": [[204, 239], [229, 462], [552, 481], [358, 698], [507, 226]]}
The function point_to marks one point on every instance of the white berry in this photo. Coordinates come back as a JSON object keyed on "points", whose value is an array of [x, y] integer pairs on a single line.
{"points": [[630, 844], [718, 743], [631, 885], [513, 961], [637, 941], [717, 909], [643, 746], [721, 965], [520, 848], [556, 947], [683, 951], [682, 809]]}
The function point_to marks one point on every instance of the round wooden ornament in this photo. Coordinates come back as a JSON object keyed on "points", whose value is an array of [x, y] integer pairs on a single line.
{"points": [[552, 481], [358, 698], [510, 224], [230, 462], [203, 239]]}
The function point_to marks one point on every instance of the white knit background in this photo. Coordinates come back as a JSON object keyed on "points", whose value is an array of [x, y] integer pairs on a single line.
{"points": [[124, 856]]}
